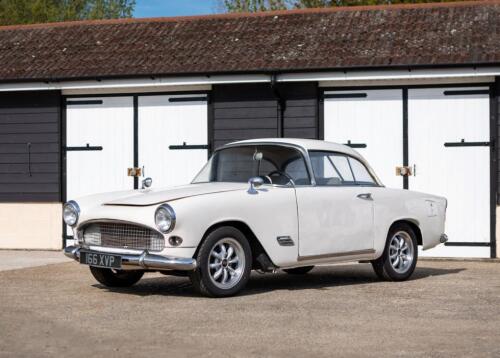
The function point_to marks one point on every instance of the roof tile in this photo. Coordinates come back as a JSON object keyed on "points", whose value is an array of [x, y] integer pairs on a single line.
{"points": [[320, 39]]}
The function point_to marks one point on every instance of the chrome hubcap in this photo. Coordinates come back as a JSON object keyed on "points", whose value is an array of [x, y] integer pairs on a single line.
{"points": [[401, 252], [226, 263]]}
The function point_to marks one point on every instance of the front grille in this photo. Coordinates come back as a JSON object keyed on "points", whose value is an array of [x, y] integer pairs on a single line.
{"points": [[124, 236]]}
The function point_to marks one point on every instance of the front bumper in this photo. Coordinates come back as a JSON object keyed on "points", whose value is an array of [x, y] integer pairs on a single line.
{"points": [[145, 260]]}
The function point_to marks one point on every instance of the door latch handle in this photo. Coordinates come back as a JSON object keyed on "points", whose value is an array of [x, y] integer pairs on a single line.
{"points": [[134, 172], [365, 196], [404, 171]]}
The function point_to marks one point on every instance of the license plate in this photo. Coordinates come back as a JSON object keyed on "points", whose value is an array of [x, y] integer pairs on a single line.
{"points": [[100, 260]]}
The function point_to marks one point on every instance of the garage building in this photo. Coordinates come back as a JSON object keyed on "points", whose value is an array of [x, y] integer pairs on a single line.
{"points": [[412, 86]]}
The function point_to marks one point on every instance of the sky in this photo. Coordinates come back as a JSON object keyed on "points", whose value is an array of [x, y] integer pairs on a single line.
{"points": [[159, 8]]}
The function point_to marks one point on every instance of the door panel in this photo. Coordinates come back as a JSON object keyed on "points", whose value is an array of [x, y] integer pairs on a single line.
{"points": [[164, 122], [371, 117], [459, 173], [334, 220], [108, 125]]}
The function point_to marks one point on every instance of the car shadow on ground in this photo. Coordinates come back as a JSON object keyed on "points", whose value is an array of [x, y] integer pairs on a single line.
{"points": [[320, 278]]}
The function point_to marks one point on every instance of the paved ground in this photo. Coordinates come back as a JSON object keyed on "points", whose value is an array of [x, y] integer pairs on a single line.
{"points": [[16, 259], [449, 309]]}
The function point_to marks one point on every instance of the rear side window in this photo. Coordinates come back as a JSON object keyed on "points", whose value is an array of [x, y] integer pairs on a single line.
{"points": [[341, 164], [338, 169], [361, 174]]}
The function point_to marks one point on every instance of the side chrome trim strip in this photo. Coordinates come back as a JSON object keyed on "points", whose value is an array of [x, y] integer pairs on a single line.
{"points": [[339, 254]]}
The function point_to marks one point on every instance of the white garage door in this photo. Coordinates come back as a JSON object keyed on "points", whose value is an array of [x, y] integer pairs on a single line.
{"points": [[448, 130], [372, 122], [99, 144], [172, 137], [448, 138]]}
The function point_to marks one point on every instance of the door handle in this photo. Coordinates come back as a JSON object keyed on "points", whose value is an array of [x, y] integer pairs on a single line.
{"points": [[365, 196]]}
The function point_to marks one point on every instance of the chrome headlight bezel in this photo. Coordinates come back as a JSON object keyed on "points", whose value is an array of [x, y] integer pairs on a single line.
{"points": [[162, 214], [71, 207]]}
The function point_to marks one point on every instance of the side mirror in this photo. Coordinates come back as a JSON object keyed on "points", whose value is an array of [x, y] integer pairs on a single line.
{"points": [[146, 183], [255, 183]]}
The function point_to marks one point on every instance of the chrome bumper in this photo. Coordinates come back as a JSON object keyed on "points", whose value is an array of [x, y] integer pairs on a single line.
{"points": [[145, 260]]}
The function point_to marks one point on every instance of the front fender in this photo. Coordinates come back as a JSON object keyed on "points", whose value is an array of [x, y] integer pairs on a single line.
{"points": [[270, 213]]}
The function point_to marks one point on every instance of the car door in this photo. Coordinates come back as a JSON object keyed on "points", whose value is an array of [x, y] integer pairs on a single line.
{"points": [[336, 215]]}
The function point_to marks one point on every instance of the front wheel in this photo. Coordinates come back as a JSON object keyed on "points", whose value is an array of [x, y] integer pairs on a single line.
{"points": [[399, 259], [224, 262], [116, 278]]}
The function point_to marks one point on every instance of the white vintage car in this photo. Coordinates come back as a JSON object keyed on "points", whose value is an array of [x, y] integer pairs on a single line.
{"points": [[263, 204]]}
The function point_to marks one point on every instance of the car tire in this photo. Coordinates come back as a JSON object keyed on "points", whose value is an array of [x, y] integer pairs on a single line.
{"points": [[118, 278], [299, 270], [224, 263], [400, 255]]}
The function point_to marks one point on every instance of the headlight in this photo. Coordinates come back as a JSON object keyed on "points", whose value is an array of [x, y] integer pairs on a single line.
{"points": [[71, 212], [165, 218]]}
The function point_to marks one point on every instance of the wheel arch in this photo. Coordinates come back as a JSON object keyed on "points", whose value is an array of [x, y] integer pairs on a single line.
{"points": [[414, 224], [255, 245]]}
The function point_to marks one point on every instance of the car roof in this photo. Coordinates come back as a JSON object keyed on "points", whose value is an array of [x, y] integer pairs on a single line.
{"points": [[306, 144]]}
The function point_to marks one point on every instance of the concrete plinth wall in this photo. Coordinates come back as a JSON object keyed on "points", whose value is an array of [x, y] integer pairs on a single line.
{"points": [[30, 226], [497, 233]]}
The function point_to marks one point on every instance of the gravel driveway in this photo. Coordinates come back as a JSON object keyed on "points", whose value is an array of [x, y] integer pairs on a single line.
{"points": [[449, 308]]}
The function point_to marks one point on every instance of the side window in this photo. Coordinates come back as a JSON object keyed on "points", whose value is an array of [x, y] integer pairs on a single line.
{"points": [[298, 171], [361, 174], [325, 172], [338, 169], [342, 164]]}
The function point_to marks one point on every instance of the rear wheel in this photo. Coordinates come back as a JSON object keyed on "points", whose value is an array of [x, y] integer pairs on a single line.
{"points": [[399, 259], [299, 270], [224, 262], [116, 278]]}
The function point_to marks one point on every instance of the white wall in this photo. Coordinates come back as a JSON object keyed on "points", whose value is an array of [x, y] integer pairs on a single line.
{"points": [[31, 226]]}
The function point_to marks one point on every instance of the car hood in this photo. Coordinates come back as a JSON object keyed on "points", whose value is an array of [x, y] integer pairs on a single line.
{"points": [[157, 196]]}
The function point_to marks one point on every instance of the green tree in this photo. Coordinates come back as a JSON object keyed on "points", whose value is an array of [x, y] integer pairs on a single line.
{"points": [[262, 5], [253, 5], [40, 11]]}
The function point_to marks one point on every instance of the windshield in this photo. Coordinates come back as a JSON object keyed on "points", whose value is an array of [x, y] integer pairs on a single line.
{"points": [[275, 164]]}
